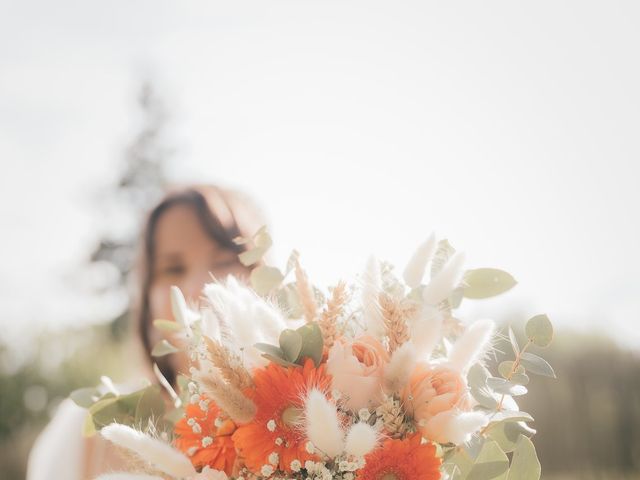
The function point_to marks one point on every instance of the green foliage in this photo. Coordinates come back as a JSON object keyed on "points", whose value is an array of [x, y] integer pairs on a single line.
{"points": [[539, 330], [295, 346], [265, 278], [487, 282], [134, 409], [262, 243], [525, 464]]}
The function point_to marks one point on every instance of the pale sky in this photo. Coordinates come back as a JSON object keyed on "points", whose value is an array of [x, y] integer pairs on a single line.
{"points": [[509, 127]]}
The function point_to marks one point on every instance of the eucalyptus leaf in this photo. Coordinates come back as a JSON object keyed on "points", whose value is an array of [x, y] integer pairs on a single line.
{"points": [[110, 410], [505, 367], [262, 238], [163, 347], [539, 330], [505, 387], [458, 465], [506, 434], [487, 282], [150, 405], [312, 343], [511, 416], [520, 378], [84, 397], [270, 349], [291, 344], [492, 463], [538, 365], [525, 464], [483, 396], [252, 256], [264, 279], [279, 360], [477, 376]]}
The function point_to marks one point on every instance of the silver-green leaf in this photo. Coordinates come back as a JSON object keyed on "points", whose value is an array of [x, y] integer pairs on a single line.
{"points": [[538, 365], [539, 330], [487, 282], [525, 464]]}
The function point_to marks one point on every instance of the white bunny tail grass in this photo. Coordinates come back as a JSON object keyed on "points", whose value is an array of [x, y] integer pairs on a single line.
{"points": [[397, 372], [323, 425], [457, 427], [371, 288], [472, 346], [231, 400], [181, 312], [445, 281], [246, 318], [127, 476], [159, 454], [426, 331], [414, 271], [361, 439]]}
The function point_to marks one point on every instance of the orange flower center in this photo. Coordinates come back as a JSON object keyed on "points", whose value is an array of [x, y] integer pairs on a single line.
{"points": [[291, 416]]}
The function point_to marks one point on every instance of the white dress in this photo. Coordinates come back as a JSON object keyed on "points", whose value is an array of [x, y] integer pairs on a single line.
{"points": [[63, 452], [59, 451]]}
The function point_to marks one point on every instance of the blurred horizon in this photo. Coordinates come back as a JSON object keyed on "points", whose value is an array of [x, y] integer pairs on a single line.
{"points": [[511, 131]]}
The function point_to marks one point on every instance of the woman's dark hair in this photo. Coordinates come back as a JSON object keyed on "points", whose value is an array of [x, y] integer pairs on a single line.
{"points": [[223, 214]]}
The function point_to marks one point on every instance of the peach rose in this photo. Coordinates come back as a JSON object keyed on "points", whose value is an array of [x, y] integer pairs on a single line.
{"points": [[431, 394], [356, 369]]}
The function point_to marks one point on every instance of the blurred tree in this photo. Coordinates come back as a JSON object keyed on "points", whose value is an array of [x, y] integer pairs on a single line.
{"points": [[141, 184], [30, 392]]}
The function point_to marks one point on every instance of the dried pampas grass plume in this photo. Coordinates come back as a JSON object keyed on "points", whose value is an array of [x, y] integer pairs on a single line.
{"points": [[159, 454], [323, 425]]}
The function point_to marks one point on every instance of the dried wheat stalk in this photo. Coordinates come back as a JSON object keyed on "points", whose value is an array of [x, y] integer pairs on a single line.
{"points": [[329, 319], [229, 364], [395, 313], [305, 292]]}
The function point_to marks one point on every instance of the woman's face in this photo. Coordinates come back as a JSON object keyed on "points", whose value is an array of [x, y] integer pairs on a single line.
{"points": [[185, 256]]}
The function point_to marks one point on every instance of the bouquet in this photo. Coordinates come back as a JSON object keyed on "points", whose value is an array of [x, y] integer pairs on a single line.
{"points": [[379, 380]]}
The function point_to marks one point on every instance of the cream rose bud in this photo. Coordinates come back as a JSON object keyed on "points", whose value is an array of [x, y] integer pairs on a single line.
{"points": [[431, 392], [356, 369]]}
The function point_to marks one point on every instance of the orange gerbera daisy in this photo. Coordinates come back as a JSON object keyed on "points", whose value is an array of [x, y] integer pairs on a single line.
{"points": [[407, 459], [274, 439], [206, 438]]}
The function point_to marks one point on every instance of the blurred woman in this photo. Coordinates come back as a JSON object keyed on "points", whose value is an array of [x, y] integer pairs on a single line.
{"points": [[187, 238]]}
